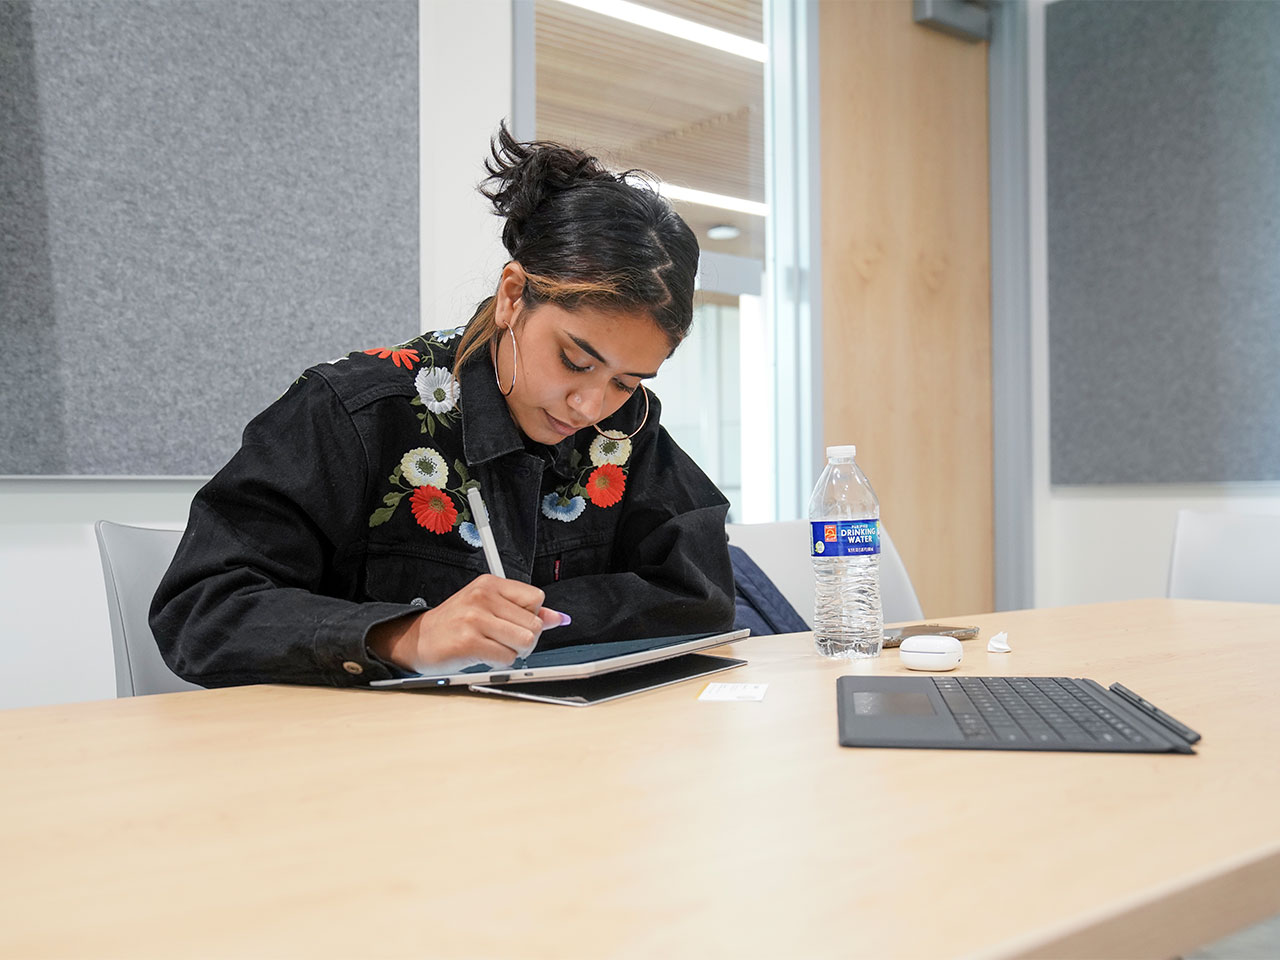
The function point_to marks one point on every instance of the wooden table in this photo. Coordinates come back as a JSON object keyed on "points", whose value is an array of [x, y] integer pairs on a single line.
{"points": [[275, 821]]}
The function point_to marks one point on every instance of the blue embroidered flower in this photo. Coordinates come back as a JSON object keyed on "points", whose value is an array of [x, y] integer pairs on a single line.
{"points": [[467, 530], [554, 509], [444, 336]]}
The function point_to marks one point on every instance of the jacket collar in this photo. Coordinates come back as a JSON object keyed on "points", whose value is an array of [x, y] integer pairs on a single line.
{"points": [[488, 431]]}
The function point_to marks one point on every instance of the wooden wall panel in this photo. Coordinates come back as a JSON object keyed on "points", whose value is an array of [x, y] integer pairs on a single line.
{"points": [[906, 286]]}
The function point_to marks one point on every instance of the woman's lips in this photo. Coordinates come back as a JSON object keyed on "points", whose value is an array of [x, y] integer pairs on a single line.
{"points": [[560, 427]]}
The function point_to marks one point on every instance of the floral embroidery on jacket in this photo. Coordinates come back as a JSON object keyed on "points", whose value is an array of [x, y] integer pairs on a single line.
{"points": [[438, 389], [604, 485], [423, 476], [399, 355], [433, 509], [422, 473]]}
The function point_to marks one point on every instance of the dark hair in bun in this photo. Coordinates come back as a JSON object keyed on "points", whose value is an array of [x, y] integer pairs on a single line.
{"points": [[585, 235]]}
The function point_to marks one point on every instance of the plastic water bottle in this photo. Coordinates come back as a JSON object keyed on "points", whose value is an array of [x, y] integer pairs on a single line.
{"points": [[844, 521]]}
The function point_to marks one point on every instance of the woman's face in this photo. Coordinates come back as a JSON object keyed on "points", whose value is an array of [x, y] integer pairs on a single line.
{"points": [[577, 367]]}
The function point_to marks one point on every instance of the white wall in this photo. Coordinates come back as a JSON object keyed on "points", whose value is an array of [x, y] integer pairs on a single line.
{"points": [[464, 82], [1100, 542], [55, 638]]}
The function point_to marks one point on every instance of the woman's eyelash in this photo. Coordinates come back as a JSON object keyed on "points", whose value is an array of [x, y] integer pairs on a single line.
{"points": [[569, 364]]}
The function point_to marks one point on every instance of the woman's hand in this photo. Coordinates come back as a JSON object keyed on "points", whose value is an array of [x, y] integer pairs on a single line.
{"points": [[490, 620]]}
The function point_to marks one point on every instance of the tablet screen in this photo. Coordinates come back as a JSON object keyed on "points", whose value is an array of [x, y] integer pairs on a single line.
{"points": [[590, 652]]}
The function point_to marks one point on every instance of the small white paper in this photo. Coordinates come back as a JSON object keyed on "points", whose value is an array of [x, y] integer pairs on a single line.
{"points": [[733, 691], [998, 643]]}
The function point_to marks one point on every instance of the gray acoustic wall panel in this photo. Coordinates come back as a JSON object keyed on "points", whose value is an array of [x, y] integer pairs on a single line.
{"points": [[197, 201], [1163, 165]]}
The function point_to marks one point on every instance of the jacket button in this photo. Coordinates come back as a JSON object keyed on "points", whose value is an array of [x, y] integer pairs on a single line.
{"points": [[353, 668]]}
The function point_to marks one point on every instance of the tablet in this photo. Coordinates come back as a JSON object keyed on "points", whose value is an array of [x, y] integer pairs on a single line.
{"points": [[570, 663], [616, 684]]}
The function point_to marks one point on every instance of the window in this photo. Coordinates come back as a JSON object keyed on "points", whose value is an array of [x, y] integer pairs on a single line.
{"points": [[682, 89]]}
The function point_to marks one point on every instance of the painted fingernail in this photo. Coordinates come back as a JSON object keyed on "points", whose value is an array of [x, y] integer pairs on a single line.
{"points": [[565, 619]]}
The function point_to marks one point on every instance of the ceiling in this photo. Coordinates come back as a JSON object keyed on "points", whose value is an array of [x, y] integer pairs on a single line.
{"points": [[690, 114]]}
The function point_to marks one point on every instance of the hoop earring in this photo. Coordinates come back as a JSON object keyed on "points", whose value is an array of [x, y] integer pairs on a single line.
{"points": [[515, 367], [637, 429]]}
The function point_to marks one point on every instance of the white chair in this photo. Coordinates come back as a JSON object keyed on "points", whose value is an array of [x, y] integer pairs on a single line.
{"points": [[1225, 556], [133, 561], [781, 550]]}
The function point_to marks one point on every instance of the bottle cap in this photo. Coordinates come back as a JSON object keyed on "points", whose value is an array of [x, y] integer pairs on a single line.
{"points": [[841, 451]]}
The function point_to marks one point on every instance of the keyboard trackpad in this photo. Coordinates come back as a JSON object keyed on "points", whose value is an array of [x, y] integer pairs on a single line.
{"points": [[893, 711]]}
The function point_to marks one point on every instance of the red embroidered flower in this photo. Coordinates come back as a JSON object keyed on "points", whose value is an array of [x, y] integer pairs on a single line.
{"points": [[401, 358], [605, 485], [433, 509]]}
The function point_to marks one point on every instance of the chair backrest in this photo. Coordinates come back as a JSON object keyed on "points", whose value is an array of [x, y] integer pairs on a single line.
{"points": [[133, 561], [1225, 556], [781, 550]]}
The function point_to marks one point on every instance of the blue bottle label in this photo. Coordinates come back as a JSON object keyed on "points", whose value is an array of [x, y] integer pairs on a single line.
{"points": [[844, 538]]}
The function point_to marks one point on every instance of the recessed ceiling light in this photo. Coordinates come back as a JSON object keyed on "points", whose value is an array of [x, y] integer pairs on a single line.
{"points": [[723, 231]]}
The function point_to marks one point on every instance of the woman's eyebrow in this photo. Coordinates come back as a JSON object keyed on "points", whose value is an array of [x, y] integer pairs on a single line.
{"points": [[588, 348]]}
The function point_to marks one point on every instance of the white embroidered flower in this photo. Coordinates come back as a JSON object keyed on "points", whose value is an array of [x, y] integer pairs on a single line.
{"points": [[444, 336], [437, 388], [611, 447], [424, 467], [467, 530], [571, 509]]}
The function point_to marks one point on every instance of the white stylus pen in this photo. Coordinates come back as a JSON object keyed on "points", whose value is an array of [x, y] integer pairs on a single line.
{"points": [[481, 516]]}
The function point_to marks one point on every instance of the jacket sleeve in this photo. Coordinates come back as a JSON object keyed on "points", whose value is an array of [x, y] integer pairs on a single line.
{"points": [[670, 572], [243, 601]]}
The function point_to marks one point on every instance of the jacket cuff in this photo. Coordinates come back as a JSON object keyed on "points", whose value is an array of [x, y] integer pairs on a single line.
{"points": [[340, 648]]}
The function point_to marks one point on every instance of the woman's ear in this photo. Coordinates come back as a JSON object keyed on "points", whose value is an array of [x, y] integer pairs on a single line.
{"points": [[507, 305]]}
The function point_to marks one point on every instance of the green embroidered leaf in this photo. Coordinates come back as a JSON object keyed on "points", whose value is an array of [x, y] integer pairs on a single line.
{"points": [[462, 471], [431, 426], [464, 516], [468, 485], [416, 401], [391, 499], [575, 458], [381, 516], [396, 474], [577, 490]]}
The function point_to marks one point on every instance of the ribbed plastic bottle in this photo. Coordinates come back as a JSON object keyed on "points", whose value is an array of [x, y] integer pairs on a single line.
{"points": [[844, 521]]}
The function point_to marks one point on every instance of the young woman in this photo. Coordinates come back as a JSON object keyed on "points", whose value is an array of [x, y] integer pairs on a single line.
{"points": [[338, 547]]}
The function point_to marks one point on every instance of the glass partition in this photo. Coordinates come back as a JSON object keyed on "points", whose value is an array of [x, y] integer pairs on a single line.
{"points": [[685, 90]]}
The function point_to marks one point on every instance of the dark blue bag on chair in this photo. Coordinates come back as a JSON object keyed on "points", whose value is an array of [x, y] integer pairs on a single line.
{"points": [[759, 605]]}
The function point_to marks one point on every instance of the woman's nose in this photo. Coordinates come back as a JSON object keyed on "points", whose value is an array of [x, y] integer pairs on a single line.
{"points": [[587, 404]]}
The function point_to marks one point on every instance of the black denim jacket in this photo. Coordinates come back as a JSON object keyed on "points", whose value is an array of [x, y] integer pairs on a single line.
{"points": [[345, 507]]}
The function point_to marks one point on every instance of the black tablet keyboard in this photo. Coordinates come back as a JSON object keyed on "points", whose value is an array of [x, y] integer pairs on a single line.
{"points": [[1033, 710]]}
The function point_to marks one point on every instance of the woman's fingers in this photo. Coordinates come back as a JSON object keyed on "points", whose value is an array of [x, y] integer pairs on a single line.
{"points": [[513, 626], [553, 618], [511, 601], [522, 594], [491, 620]]}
